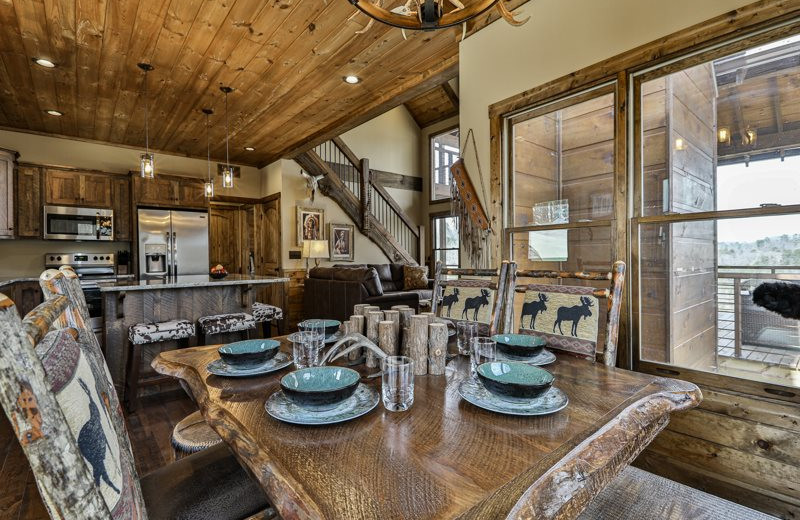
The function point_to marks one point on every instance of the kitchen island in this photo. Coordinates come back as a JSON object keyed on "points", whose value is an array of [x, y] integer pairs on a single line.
{"points": [[187, 297]]}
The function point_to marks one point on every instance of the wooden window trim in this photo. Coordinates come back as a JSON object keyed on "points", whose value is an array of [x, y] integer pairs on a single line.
{"points": [[432, 217], [433, 136]]}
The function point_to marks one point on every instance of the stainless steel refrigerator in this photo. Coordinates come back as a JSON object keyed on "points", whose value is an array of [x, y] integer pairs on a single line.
{"points": [[172, 243]]}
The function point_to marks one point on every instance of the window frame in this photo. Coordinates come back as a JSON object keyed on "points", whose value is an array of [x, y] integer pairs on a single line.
{"points": [[431, 158], [433, 218]]}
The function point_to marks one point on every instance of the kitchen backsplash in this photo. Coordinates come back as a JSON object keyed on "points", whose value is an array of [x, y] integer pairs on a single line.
{"points": [[25, 258]]}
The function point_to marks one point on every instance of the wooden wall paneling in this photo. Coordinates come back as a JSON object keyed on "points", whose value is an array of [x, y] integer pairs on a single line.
{"points": [[293, 312], [28, 202]]}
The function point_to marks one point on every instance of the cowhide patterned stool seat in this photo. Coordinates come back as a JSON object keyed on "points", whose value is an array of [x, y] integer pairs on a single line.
{"points": [[141, 335], [192, 434], [223, 324], [266, 315]]}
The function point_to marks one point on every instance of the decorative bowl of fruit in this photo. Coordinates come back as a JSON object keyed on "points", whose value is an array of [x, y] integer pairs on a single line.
{"points": [[218, 272]]}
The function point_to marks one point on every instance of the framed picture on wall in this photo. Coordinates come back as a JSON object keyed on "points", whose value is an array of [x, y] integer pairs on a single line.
{"points": [[310, 224], [342, 241]]}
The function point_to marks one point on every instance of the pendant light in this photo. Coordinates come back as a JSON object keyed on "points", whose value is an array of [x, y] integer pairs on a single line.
{"points": [[227, 172], [147, 167], [209, 186]]}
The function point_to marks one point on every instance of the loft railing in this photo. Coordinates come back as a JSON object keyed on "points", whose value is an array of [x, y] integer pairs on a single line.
{"points": [[378, 208], [743, 323]]}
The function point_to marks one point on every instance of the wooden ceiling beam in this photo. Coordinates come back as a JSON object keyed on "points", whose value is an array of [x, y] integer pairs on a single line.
{"points": [[451, 94]]}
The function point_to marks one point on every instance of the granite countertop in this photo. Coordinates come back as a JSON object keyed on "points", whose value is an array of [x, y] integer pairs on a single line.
{"points": [[187, 281], [11, 280]]}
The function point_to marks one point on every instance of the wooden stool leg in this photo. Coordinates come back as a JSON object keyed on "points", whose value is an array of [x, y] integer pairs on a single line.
{"points": [[132, 390]]}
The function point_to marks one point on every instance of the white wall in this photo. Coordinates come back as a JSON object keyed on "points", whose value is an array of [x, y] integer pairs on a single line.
{"points": [[562, 36], [391, 142]]}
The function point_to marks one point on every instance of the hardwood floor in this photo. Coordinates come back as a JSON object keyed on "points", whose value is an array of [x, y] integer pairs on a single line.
{"points": [[150, 429]]}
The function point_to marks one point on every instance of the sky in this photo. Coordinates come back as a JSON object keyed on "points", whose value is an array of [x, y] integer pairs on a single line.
{"points": [[771, 181]]}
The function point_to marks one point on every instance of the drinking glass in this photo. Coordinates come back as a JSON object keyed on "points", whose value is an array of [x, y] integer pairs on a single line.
{"points": [[306, 348], [484, 350], [465, 332], [397, 386]]}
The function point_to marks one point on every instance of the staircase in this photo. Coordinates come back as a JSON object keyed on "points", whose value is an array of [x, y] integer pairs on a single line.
{"points": [[349, 181]]}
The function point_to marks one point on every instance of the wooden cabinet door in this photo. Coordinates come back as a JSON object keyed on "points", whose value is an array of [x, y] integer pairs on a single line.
{"points": [[96, 190], [27, 295], [6, 194], [62, 187], [192, 193], [121, 195], [159, 191], [223, 238], [268, 238], [29, 201]]}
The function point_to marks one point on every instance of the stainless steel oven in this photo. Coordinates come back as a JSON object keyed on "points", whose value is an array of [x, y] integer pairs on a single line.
{"points": [[91, 268], [71, 223]]}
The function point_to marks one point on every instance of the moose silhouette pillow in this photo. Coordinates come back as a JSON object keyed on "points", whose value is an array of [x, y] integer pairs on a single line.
{"points": [[467, 303], [83, 393], [567, 316]]}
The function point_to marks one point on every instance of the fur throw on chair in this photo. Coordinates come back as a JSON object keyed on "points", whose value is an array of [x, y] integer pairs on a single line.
{"points": [[780, 297]]}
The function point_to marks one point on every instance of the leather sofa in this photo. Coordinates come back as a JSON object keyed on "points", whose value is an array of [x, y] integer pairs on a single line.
{"points": [[331, 292]]}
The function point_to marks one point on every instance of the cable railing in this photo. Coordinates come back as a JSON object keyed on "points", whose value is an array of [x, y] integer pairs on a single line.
{"points": [[744, 327]]}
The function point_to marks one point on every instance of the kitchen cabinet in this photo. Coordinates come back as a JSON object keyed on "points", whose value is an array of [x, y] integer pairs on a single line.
{"points": [[68, 187], [121, 202], [28, 202], [7, 159], [223, 238], [169, 191], [25, 294]]}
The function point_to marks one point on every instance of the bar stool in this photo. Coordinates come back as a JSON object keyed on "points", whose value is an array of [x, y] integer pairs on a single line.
{"points": [[266, 314], [141, 335], [192, 434], [223, 324]]}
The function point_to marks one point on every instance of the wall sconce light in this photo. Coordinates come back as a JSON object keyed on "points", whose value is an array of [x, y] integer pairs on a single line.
{"points": [[724, 135], [680, 144]]}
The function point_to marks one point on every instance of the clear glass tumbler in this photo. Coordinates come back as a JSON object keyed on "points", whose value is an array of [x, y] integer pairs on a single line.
{"points": [[465, 332], [397, 386], [306, 348], [484, 350]]}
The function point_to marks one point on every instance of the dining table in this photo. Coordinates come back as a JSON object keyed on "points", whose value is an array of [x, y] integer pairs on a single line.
{"points": [[443, 457]]}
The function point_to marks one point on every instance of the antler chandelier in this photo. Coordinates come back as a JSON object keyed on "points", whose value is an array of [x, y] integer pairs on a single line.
{"points": [[429, 15]]}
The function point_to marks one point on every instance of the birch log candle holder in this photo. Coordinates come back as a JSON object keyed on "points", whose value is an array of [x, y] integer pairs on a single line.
{"points": [[360, 308], [405, 320], [418, 343], [437, 348], [373, 318], [357, 326], [387, 337], [394, 317]]}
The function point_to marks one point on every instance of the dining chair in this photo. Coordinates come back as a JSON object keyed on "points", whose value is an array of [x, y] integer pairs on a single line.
{"points": [[55, 390], [470, 295], [567, 316]]}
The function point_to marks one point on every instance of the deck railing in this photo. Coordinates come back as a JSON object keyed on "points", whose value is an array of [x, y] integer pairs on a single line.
{"points": [[735, 313]]}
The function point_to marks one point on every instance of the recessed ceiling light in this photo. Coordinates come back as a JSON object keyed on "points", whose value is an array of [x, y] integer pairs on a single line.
{"points": [[352, 79], [44, 62], [249, 148], [54, 113]]}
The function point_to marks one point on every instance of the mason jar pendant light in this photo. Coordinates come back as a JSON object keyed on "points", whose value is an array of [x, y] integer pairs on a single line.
{"points": [[227, 171], [147, 167], [209, 186]]}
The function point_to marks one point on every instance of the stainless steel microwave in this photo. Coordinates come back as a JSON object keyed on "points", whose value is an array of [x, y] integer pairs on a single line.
{"points": [[70, 223]]}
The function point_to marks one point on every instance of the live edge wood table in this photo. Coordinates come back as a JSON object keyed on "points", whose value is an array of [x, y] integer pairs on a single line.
{"points": [[443, 458]]}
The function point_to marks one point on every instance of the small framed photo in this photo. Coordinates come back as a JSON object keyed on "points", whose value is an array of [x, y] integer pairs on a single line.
{"points": [[342, 241], [310, 224]]}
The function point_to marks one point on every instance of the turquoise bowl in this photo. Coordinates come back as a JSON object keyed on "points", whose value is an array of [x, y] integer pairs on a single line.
{"points": [[250, 353], [519, 345], [331, 326], [320, 388], [515, 379]]}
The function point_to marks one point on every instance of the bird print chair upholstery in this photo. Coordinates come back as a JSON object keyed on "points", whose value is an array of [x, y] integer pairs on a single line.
{"points": [[63, 408], [470, 295], [567, 316]]}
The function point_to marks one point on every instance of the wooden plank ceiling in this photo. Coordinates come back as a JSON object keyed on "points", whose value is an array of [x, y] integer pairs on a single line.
{"points": [[433, 106], [285, 59]]}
